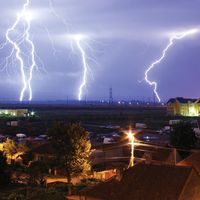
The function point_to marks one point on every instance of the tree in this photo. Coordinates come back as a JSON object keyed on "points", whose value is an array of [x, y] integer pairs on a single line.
{"points": [[9, 148], [12, 150], [72, 149], [4, 171], [28, 156], [183, 136]]}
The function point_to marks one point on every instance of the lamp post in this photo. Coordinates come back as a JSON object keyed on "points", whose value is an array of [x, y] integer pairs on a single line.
{"points": [[131, 138]]}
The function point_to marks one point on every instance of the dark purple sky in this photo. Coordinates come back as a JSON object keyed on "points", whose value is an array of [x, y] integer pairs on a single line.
{"points": [[123, 36]]}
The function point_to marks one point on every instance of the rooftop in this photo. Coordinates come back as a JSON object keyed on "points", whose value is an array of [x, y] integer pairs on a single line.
{"points": [[193, 161], [182, 100], [145, 182]]}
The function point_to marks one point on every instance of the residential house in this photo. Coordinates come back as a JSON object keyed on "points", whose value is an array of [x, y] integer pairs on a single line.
{"points": [[193, 161], [149, 182], [118, 154]]}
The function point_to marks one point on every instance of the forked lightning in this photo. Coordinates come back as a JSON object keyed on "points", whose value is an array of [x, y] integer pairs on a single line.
{"points": [[176, 36], [26, 68]]}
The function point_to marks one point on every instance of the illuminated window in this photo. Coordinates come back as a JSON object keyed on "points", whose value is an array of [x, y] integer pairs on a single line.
{"points": [[192, 111]]}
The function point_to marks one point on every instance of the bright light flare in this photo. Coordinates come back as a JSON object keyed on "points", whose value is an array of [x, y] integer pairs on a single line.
{"points": [[172, 39], [78, 37], [28, 15], [131, 137]]}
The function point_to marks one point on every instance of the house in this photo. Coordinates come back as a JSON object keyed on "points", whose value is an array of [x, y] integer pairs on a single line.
{"points": [[183, 107], [118, 155], [193, 161], [149, 182]]}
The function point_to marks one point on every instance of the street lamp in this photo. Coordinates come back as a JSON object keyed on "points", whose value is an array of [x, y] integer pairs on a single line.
{"points": [[131, 138]]}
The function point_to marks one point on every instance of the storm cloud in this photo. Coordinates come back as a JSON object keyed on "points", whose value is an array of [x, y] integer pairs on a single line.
{"points": [[124, 38]]}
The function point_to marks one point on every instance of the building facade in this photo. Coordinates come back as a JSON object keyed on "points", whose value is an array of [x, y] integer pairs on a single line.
{"points": [[183, 107], [14, 112]]}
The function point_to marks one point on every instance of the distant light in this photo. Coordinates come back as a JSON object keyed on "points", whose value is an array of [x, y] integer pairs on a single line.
{"points": [[119, 102], [32, 113]]}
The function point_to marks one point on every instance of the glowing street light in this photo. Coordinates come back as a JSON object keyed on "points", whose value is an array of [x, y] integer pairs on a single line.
{"points": [[131, 138]]}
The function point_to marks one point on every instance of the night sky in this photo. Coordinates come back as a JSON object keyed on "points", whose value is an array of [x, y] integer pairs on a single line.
{"points": [[123, 37]]}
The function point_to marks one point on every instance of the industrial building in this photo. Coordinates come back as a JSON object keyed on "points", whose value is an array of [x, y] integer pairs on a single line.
{"points": [[14, 112], [183, 107]]}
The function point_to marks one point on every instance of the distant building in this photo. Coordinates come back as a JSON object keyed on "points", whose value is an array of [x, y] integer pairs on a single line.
{"points": [[183, 107], [14, 112], [12, 123]]}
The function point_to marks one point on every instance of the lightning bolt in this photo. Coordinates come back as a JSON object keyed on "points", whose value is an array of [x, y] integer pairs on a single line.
{"points": [[53, 11], [24, 38], [33, 63], [59, 17], [51, 40], [23, 53], [176, 36], [78, 39]]}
